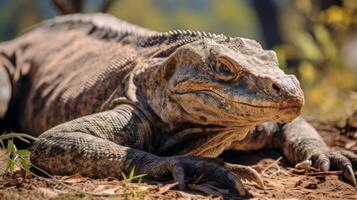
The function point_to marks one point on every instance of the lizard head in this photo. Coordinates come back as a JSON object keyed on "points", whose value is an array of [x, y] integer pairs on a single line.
{"points": [[226, 83]]}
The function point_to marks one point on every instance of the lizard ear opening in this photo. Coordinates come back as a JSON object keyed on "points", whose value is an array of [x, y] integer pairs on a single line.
{"points": [[168, 67], [184, 56]]}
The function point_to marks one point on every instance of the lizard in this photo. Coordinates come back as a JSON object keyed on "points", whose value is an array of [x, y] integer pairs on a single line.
{"points": [[105, 97]]}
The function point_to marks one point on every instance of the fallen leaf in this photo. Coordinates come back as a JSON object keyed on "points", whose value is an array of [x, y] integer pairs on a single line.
{"points": [[76, 178], [167, 187], [110, 191]]}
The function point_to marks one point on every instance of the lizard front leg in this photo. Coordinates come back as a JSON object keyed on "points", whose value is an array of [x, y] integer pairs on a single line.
{"points": [[109, 143], [259, 137], [301, 144]]}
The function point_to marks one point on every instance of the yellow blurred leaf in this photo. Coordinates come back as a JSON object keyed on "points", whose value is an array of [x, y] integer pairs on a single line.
{"points": [[307, 72], [281, 56], [327, 44], [308, 48], [335, 15]]}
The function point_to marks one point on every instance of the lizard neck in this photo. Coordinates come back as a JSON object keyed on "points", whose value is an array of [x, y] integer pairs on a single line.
{"points": [[201, 141], [147, 86]]}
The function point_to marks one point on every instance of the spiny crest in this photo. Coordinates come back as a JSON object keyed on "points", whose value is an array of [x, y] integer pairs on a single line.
{"points": [[180, 36], [105, 27], [100, 32], [100, 26]]}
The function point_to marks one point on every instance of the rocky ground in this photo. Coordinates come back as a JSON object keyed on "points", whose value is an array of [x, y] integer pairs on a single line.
{"points": [[281, 180]]}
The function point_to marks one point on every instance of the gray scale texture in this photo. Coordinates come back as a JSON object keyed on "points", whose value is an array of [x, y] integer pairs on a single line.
{"points": [[105, 96]]}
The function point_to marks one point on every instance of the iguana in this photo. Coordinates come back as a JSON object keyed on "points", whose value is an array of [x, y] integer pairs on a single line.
{"points": [[105, 97]]}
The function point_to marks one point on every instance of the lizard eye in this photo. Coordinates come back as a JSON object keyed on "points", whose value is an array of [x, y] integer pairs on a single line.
{"points": [[224, 72], [224, 69]]}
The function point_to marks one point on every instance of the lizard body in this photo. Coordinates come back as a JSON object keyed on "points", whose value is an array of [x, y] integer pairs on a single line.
{"points": [[105, 96]]}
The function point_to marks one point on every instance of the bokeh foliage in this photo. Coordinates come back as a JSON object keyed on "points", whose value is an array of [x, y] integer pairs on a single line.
{"points": [[322, 47], [319, 44]]}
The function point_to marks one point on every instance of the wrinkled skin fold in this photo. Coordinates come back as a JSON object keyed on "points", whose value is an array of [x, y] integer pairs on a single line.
{"points": [[105, 96]]}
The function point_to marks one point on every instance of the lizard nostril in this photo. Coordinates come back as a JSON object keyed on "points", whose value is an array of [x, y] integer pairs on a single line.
{"points": [[276, 87]]}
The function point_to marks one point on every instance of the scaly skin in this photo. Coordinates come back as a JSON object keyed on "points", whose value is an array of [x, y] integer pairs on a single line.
{"points": [[105, 96]]}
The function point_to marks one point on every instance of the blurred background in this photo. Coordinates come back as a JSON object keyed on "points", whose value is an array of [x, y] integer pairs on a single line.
{"points": [[315, 39]]}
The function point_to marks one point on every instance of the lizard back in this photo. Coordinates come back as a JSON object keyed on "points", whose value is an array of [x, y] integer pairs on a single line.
{"points": [[70, 61]]}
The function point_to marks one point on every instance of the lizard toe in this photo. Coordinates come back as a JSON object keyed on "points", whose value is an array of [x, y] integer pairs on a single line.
{"points": [[306, 164], [352, 157], [246, 173], [340, 161], [211, 169], [178, 174], [321, 161], [348, 173]]}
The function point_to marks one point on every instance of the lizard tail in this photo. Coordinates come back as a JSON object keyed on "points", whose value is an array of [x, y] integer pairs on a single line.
{"points": [[5, 90]]}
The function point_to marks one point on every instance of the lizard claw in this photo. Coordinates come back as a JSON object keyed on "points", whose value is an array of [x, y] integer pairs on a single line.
{"points": [[340, 160], [348, 173], [247, 173], [306, 164], [324, 166], [321, 161], [182, 166], [179, 175]]}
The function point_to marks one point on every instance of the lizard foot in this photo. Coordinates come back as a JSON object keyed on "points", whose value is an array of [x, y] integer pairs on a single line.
{"points": [[246, 173], [193, 166], [340, 160]]}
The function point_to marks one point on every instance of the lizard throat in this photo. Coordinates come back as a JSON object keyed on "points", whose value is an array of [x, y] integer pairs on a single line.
{"points": [[206, 142]]}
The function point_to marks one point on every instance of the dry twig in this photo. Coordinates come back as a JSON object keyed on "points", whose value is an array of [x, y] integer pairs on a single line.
{"points": [[275, 163]]}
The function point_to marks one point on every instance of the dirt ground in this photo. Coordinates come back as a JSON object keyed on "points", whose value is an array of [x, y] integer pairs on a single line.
{"points": [[281, 180]]}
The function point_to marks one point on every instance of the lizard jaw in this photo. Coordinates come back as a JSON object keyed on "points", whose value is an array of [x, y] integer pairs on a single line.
{"points": [[234, 111]]}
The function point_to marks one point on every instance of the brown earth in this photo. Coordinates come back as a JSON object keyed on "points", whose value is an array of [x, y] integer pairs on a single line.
{"points": [[281, 180]]}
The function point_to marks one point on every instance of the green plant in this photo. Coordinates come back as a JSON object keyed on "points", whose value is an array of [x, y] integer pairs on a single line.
{"points": [[132, 177], [137, 191], [16, 157]]}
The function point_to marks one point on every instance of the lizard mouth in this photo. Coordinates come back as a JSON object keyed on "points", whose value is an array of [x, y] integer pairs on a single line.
{"points": [[233, 110], [220, 96]]}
